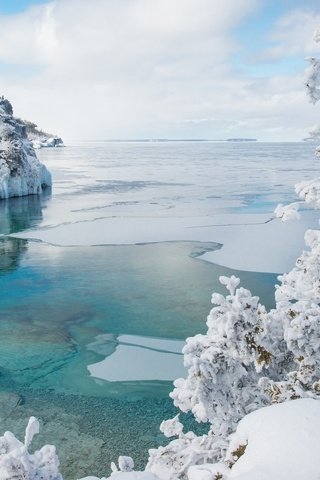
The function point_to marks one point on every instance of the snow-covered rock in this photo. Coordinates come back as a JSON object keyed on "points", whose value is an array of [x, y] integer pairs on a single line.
{"points": [[21, 173], [49, 142], [38, 137]]}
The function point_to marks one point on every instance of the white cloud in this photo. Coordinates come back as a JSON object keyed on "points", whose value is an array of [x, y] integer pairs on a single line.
{"points": [[293, 35], [139, 68]]}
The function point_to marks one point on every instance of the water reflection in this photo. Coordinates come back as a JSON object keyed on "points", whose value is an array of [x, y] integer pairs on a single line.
{"points": [[20, 213], [17, 214], [11, 250]]}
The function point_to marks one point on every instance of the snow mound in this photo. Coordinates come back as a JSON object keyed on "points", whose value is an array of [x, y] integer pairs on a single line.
{"points": [[281, 441]]}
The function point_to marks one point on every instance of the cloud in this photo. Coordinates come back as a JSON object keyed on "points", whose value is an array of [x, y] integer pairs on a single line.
{"points": [[292, 36], [140, 68]]}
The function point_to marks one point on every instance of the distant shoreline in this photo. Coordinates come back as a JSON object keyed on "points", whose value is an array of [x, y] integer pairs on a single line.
{"points": [[158, 140], [173, 140]]}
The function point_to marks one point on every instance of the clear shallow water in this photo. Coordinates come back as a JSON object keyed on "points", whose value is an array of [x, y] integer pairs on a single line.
{"points": [[56, 302]]}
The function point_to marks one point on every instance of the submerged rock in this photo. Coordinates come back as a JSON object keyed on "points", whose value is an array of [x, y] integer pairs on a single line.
{"points": [[8, 402], [21, 173]]}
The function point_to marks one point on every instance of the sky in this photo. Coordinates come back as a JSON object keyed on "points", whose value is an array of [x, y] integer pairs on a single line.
{"points": [[178, 69]]}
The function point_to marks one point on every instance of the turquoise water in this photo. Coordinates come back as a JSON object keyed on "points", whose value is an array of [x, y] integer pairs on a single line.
{"points": [[56, 302]]}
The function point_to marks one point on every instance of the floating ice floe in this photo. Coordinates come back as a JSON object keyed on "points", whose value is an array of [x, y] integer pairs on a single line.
{"points": [[250, 242], [135, 358]]}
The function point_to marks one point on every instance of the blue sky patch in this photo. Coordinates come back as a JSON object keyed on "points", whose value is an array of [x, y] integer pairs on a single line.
{"points": [[14, 6]]}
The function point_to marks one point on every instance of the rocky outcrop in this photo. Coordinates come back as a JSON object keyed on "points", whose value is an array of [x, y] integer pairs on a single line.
{"points": [[21, 173], [38, 137], [48, 142]]}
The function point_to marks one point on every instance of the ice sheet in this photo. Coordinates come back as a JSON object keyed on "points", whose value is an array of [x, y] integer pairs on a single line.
{"points": [[252, 242], [125, 193], [140, 359]]}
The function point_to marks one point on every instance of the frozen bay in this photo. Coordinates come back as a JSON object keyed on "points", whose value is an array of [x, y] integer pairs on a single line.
{"points": [[107, 268], [128, 193]]}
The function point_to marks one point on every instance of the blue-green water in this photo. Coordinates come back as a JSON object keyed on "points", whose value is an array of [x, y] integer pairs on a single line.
{"points": [[56, 301]]}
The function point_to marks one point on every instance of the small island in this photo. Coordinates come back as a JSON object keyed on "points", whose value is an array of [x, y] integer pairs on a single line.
{"points": [[241, 140]]}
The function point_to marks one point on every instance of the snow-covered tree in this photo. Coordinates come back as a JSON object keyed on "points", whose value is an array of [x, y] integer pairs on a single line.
{"points": [[298, 295], [224, 367], [247, 353], [18, 464]]}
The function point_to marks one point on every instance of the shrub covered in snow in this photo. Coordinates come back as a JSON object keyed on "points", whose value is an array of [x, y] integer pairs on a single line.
{"points": [[18, 464]]}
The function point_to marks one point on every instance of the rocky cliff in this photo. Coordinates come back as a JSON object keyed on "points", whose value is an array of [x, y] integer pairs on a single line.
{"points": [[21, 173]]}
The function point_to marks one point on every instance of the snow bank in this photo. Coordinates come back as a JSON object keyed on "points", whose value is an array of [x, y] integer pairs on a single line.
{"points": [[282, 441], [21, 173]]}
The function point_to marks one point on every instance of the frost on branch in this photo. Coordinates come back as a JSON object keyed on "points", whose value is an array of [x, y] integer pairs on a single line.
{"points": [[287, 212], [223, 364], [173, 461], [312, 82], [309, 192], [298, 311], [18, 464], [316, 35], [126, 464], [172, 427], [303, 281]]}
